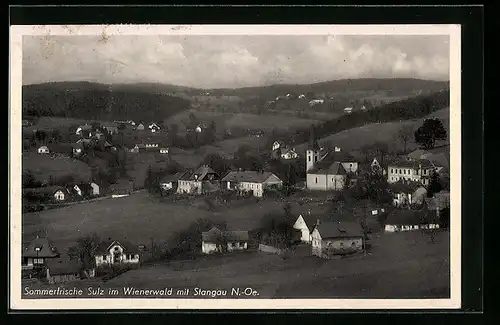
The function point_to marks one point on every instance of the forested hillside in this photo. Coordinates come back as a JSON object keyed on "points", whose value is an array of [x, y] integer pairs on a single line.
{"points": [[416, 107], [98, 102]]}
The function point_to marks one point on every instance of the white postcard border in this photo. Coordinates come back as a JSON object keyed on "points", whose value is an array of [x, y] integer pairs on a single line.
{"points": [[15, 59]]}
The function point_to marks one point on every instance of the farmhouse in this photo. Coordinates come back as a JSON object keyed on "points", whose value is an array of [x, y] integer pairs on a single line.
{"points": [[277, 144], [77, 149], [81, 128], [62, 194], [37, 253], [406, 193], [413, 170], [251, 181], [43, 150], [217, 241], [316, 102], [375, 166], [154, 127], [114, 252], [60, 270], [86, 190], [204, 179], [111, 127], [289, 153], [336, 238], [407, 220], [140, 127], [305, 223], [171, 181], [95, 189]]}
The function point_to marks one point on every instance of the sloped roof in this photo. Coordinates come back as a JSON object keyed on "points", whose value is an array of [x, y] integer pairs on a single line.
{"points": [[339, 229], [85, 187], [410, 217], [411, 163], [60, 266], [212, 235], [202, 172], [403, 186], [334, 168], [230, 235], [173, 177], [439, 160], [128, 248], [247, 176], [236, 235], [47, 250]]}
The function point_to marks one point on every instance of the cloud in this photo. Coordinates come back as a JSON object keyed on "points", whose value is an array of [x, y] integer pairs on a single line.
{"points": [[232, 61]]}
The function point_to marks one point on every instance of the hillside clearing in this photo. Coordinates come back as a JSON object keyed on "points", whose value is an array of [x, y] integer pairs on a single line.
{"points": [[45, 166]]}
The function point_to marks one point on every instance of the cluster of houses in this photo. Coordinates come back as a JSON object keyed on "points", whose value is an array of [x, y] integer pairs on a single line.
{"points": [[41, 255], [206, 180], [70, 192]]}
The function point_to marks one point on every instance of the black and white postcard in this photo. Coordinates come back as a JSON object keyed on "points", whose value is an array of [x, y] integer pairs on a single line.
{"points": [[235, 167]]}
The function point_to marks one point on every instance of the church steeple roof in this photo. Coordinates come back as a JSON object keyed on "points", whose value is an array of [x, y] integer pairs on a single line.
{"points": [[313, 143]]}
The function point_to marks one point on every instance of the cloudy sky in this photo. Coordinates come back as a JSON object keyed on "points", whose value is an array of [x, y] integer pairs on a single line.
{"points": [[232, 61]]}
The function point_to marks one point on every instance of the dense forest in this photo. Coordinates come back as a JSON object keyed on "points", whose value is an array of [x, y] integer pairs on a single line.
{"points": [[98, 102], [411, 108]]}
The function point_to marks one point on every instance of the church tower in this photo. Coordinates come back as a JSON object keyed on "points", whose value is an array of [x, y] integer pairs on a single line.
{"points": [[312, 152]]}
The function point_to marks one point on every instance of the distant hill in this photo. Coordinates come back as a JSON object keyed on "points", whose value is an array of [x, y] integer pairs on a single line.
{"points": [[94, 101], [394, 87]]}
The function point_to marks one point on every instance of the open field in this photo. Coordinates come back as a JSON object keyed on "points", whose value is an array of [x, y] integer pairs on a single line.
{"points": [[56, 166], [139, 217], [354, 139], [242, 120], [401, 265]]}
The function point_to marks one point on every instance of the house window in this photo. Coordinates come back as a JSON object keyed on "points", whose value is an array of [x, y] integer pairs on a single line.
{"points": [[341, 245], [400, 171], [315, 158], [38, 261], [233, 245], [316, 179], [392, 170], [309, 158], [404, 171]]}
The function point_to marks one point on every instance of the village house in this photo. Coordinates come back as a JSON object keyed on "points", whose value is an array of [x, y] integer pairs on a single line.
{"points": [[316, 102], [37, 253], [43, 150], [302, 96], [81, 128], [289, 153], [61, 270], [277, 145], [164, 150], [170, 182], [336, 238], [153, 127], [204, 179], [62, 194], [113, 252], [410, 170], [217, 241], [110, 127], [140, 127], [254, 182], [376, 167], [407, 193], [407, 220], [348, 110], [305, 223], [77, 149], [86, 190]]}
